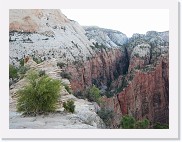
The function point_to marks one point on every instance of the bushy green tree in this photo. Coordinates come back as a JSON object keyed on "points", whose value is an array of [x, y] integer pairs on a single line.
{"points": [[160, 126], [65, 75], [142, 124], [127, 122], [106, 115], [93, 94], [37, 60], [69, 106], [13, 72], [21, 62], [40, 95], [42, 73], [22, 71], [61, 64]]}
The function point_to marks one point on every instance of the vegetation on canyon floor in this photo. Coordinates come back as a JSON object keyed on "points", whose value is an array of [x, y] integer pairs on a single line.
{"points": [[106, 115], [92, 94], [158, 125], [129, 122]]}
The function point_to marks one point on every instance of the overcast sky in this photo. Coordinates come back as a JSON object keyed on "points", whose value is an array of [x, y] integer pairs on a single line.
{"points": [[127, 21]]}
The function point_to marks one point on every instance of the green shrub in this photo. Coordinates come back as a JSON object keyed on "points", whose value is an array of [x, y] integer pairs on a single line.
{"points": [[106, 115], [37, 60], [93, 94], [69, 106], [142, 124], [39, 96], [23, 70], [65, 75], [127, 122], [21, 62], [109, 94], [116, 75], [13, 72], [160, 126], [42, 73], [97, 46], [79, 94], [60, 64]]}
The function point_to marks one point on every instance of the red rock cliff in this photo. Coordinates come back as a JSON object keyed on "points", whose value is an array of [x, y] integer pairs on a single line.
{"points": [[99, 70], [147, 95]]}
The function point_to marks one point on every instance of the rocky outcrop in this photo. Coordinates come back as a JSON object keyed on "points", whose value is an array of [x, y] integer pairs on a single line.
{"points": [[46, 34], [34, 20], [147, 95], [144, 91], [140, 57], [84, 117], [107, 37]]}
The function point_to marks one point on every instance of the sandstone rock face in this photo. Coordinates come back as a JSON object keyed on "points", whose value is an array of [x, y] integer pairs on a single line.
{"points": [[140, 56], [113, 104], [147, 95], [144, 90], [100, 70], [34, 20], [46, 34], [107, 37]]}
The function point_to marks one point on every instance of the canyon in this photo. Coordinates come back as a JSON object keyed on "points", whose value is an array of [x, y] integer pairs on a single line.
{"points": [[132, 73]]}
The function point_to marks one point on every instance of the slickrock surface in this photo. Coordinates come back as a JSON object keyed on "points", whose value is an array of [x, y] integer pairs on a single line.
{"points": [[107, 37], [85, 115]]}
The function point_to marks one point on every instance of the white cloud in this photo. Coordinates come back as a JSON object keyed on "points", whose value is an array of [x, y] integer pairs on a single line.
{"points": [[128, 21]]}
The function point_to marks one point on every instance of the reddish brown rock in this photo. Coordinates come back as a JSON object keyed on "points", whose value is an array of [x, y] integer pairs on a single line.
{"points": [[136, 63], [99, 70], [147, 95], [114, 105]]}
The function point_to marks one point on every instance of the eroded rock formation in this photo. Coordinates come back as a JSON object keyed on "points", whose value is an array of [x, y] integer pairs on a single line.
{"points": [[100, 70], [134, 71]]}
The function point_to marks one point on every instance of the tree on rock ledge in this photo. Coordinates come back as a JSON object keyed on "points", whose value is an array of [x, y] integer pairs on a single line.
{"points": [[39, 96], [93, 94]]}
